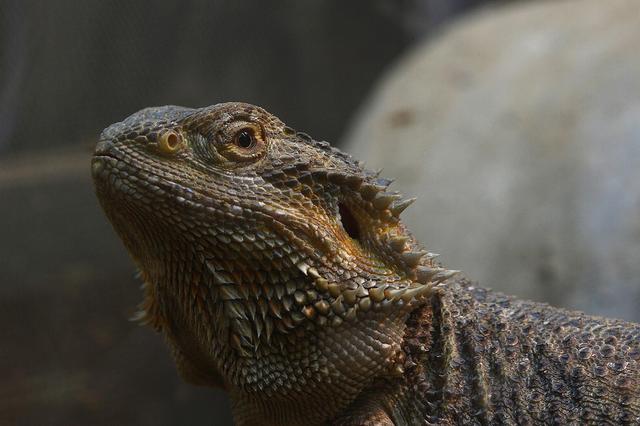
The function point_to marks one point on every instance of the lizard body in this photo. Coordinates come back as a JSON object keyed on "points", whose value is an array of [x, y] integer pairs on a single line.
{"points": [[277, 268]]}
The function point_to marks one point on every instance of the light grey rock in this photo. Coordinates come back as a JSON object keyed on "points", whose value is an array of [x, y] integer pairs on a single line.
{"points": [[519, 131]]}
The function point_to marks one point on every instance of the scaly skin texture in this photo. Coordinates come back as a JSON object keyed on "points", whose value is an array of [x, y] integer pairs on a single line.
{"points": [[277, 268]]}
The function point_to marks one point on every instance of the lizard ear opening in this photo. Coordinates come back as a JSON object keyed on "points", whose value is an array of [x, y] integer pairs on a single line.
{"points": [[349, 222]]}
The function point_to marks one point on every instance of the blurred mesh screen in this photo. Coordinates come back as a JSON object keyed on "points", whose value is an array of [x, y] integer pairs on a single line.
{"points": [[70, 68]]}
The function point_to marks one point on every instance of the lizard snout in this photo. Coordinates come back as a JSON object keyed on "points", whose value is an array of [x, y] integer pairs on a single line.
{"points": [[103, 147]]}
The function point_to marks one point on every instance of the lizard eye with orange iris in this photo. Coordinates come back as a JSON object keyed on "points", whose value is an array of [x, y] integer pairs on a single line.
{"points": [[245, 138]]}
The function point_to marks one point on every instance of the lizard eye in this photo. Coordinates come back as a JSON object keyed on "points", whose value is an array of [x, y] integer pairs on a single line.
{"points": [[242, 142], [245, 138]]}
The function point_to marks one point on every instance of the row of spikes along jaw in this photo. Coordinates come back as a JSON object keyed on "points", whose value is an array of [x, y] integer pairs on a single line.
{"points": [[388, 277]]}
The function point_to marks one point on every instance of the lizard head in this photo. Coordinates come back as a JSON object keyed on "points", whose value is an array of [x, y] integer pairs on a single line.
{"points": [[252, 234]]}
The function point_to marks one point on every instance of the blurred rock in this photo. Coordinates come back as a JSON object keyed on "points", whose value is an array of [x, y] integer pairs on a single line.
{"points": [[519, 131]]}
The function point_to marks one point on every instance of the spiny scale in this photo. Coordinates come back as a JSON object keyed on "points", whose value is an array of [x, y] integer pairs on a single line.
{"points": [[398, 243], [383, 200], [340, 300], [369, 191], [399, 206]]}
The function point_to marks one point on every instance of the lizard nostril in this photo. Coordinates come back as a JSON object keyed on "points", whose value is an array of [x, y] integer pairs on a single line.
{"points": [[103, 147], [349, 222]]}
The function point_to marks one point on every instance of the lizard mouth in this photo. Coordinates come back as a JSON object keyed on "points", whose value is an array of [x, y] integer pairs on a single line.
{"points": [[104, 161], [99, 163], [117, 176], [151, 191], [121, 184]]}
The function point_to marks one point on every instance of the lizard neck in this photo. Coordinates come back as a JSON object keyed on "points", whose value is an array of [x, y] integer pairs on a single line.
{"points": [[303, 372], [315, 378]]}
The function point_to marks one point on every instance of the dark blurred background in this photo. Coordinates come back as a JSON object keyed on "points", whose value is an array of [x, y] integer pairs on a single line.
{"points": [[516, 123], [68, 354]]}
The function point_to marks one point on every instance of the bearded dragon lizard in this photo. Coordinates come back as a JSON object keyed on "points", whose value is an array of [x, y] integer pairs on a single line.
{"points": [[277, 268]]}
